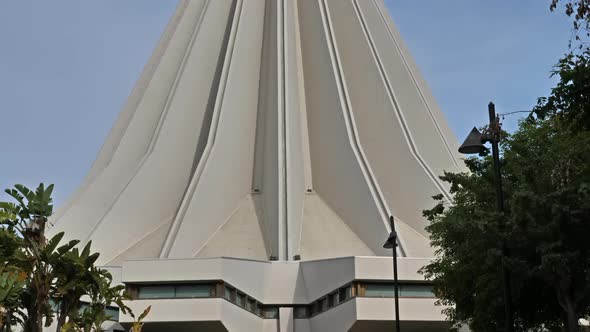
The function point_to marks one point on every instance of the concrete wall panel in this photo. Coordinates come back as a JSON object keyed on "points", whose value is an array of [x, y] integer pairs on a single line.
{"points": [[266, 164], [425, 91], [340, 318], [424, 128], [116, 133], [153, 195], [229, 154], [336, 164], [294, 149], [405, 183], [88, 208], [283, 127]]}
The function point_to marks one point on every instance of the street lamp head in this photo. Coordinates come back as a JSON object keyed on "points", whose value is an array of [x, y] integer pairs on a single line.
{"points": [[473, 143], [391, 241]]}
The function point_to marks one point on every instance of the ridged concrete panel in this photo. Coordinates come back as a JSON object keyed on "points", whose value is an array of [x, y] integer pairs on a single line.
{"points": [[340, 172], [266, 165], [384, 134], [113, 140], [423, 127], [296, 155], [229, 154], [139, 131], [420, 83], [268, 130], [153, 196]]}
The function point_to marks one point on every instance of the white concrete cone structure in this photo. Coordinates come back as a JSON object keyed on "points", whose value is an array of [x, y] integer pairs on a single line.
{"points": [[256, 164]]}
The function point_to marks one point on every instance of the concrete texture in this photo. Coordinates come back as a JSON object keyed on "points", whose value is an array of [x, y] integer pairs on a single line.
{"points": [[262, 130]]}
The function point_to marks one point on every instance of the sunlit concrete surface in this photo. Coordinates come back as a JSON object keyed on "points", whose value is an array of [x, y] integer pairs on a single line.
{"points": [[283, 133]]}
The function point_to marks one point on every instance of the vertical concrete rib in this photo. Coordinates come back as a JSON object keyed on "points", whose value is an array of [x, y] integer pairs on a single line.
{"points": [[187, 197], [116, 133], [152, 198], [297, 162], [419, 87], [266, 162], [162, 117], [136, 144], [352, 132], [230, 151], [394, 100], [283, 206]]}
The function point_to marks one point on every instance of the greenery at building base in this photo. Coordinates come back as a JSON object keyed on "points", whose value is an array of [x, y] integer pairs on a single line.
{"points": [[43, 280], [546, 226]]}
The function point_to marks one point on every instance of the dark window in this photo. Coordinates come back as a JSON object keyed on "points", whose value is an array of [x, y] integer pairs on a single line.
{"points": [[344, 294], [175, 291], [194, 291], [112, 313], [405, 290], [270, 312], [417, 290], [156, 292], [300, 312], [228, 293], [323, 304], [251, 305], [332, 300], [241, 300]]}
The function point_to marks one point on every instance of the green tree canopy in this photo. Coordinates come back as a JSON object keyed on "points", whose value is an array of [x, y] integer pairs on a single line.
{"points": [[546, 175]]}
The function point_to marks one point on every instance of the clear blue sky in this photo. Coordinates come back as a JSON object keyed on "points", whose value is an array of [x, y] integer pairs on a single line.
{"points": [[67, 66]]}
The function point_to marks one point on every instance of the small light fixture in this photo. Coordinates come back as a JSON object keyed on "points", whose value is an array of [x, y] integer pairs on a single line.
{"points": [[473, 143]]}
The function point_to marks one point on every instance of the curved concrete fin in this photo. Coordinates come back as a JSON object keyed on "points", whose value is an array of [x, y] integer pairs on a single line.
{"points": [[425, 93], [423, 127], [229, 156], [156, 189], [266, 162], [297, 158], [340, 173], [380, 123], [240, 236], [116, 133], [135, 146]]}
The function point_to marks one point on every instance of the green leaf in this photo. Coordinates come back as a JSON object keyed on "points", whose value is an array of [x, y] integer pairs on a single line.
{"points": [[66, 247], [53, 242], [86, 250]]}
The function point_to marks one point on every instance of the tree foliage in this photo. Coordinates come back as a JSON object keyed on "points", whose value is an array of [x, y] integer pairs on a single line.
{"points": [[546, 175], [42, 280], [579, 11]]}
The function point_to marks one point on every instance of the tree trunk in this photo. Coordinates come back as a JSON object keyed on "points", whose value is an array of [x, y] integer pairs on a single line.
{"points": [[572, 320], [31, 318], [8, 321], [36, 312], [571, 315], [39, 323], [62, 316]]}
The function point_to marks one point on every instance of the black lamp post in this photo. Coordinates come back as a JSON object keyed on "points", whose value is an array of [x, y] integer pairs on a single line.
{"points": [[474, 144], [391, 243]]}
